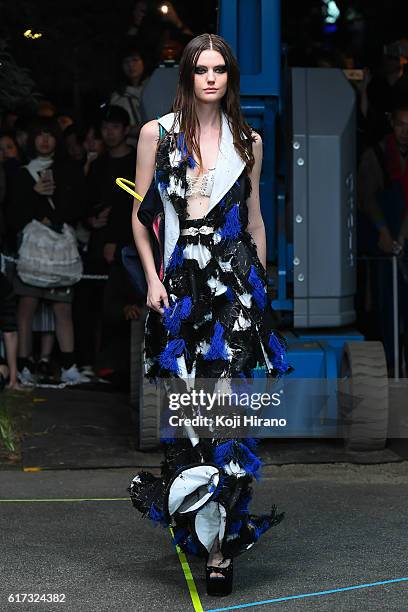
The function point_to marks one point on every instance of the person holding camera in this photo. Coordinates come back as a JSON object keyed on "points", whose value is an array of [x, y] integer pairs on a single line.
{"points": [[49, 189]]}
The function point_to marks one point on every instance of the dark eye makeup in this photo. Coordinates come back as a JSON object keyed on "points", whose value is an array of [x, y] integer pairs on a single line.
{"points": [[203, 69]]}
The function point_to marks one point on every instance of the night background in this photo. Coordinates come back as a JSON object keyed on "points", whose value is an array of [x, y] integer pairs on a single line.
{"points": [[75, 61]]}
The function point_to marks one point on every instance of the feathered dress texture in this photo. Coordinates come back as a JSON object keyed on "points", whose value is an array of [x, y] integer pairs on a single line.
{"points": [[219, 325]]}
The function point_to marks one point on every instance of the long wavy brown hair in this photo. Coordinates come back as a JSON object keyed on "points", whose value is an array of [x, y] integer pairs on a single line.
{"points": [[185, 102]]}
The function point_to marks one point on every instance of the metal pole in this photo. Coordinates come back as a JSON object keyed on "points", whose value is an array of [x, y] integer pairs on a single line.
{"points": [[396, 321]]}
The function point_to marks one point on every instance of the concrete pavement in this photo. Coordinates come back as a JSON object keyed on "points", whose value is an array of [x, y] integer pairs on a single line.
{"points": [[345, 525]]}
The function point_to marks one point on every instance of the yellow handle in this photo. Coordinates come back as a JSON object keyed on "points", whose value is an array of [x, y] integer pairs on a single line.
{"points": [[125, 184]]}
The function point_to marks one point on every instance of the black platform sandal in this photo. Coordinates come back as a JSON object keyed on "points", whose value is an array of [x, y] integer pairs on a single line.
{"points": [[217, 585]]}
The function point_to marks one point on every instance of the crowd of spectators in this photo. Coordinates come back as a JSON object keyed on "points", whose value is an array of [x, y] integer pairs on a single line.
{"points": [[60, 171]]}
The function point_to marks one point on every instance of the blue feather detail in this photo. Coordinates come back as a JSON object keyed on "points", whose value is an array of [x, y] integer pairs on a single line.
{"points": [[251, 443], [232, 225], [217, 348], [176, 259], [180, 534], [167, 357], [190, 546], [182, 147], [183, 539], [279, 359], [230, 294], [157, 516], [258, 289], [249, 462], [174, 314], [161, 180], [219, 487], [168, 440], [260, 529], [234, 527], [185, 307], [241, 385], [224, 453]]}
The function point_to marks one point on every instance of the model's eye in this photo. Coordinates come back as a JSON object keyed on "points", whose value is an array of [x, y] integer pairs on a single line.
{"points": [[200, 70], [221, 69]]}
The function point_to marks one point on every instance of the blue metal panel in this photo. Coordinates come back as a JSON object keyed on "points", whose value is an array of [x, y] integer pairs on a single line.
{"points": [[308, 359], [249, 43], [334, 339], [252, 28]]}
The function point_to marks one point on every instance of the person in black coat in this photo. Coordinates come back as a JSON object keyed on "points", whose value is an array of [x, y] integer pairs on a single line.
{"points": [[109, 220], [50, 189]]}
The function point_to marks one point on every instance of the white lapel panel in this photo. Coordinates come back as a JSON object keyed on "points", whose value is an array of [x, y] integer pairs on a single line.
{"points": [[171, 219], [229, 166]]}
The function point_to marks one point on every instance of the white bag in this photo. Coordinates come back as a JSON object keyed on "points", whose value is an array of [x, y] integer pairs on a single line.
{"points": [[47, 258]]}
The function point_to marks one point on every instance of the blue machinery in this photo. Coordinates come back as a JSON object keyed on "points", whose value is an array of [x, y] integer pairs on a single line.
{"points": [[309, 222]]}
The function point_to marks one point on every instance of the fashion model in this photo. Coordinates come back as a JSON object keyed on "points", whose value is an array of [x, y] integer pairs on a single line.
{"points": [[209, 316]]}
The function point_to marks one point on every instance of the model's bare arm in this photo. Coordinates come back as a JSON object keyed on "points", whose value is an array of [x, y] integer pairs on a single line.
{"points": [[145, 165], [256, 225]]}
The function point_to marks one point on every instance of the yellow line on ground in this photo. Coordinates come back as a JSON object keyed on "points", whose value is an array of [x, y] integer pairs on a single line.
{"points": [[189, 578], [68, 499], [32, 469]]}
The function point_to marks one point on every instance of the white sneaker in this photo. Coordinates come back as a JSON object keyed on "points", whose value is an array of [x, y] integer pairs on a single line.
{"points": [[26, 377], [72, 376]]}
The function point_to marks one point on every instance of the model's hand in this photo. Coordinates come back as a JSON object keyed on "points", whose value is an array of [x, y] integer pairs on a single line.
{"points": [[156, 294], [385, 241]]}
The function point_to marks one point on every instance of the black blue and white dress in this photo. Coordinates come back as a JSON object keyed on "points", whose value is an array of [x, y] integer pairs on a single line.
{"points": [[219, 325]]}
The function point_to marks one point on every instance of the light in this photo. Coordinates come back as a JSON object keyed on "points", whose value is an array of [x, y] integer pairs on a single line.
{"points": [[164, 9], [332, 11], [32, 35]]}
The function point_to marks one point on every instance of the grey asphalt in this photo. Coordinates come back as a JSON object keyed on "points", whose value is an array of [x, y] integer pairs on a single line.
{"points": [[345, 525]]}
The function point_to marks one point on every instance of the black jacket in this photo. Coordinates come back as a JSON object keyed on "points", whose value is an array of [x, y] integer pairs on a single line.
{"points": [[102, 192], [24, 204]]}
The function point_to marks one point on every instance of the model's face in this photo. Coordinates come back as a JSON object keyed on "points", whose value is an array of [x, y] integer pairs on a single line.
{"points": [[113, 134], [8, 149], [210, 77], [400, 128], [45, 143]]}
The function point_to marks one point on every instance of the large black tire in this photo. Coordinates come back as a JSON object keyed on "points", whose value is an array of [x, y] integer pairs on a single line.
{"points": [[364, 396], [144, 398]]}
